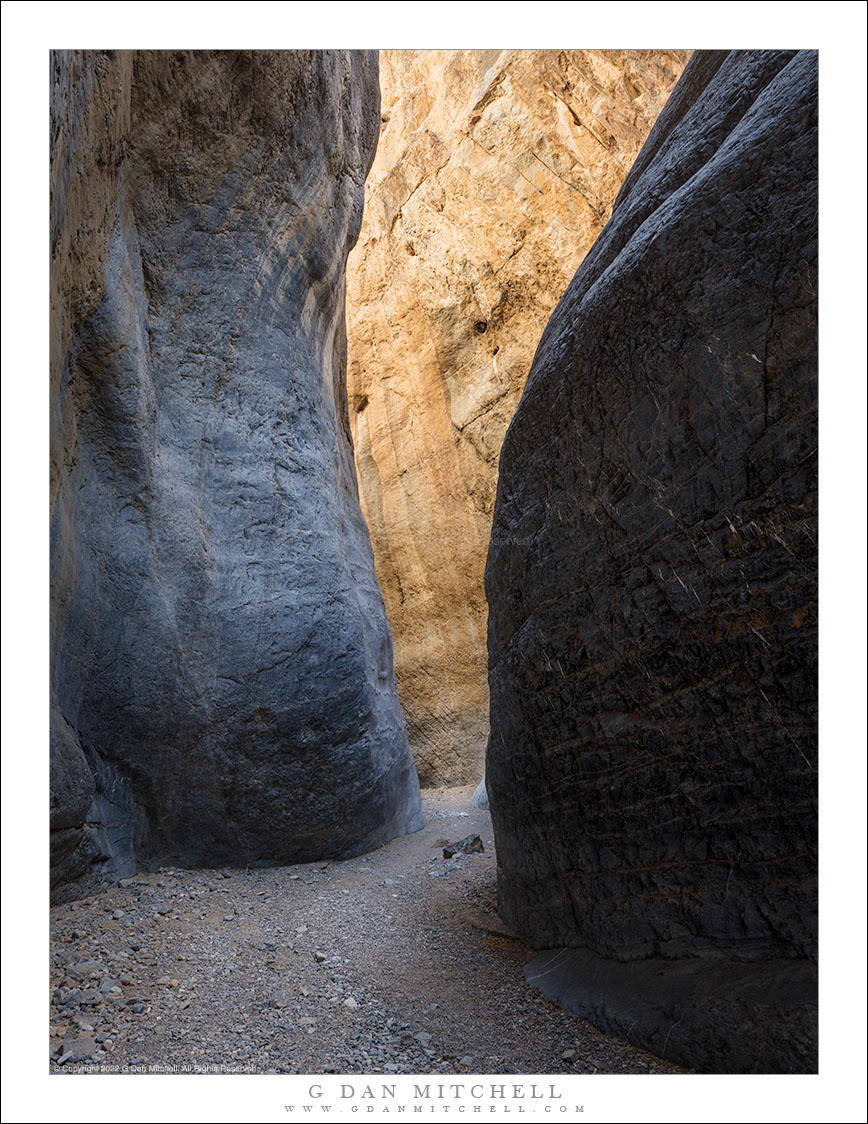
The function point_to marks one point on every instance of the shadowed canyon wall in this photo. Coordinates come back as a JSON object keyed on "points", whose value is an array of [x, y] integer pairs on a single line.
{"points": [[222, 687], [652, 592], [494, 174]]}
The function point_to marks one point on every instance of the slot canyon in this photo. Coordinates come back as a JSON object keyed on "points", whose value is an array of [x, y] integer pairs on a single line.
{"points": [[504, 359]]}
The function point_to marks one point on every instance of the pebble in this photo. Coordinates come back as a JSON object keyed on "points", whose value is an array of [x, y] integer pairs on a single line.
{"points": [[85, 969], [471, 845], [242, 995]]}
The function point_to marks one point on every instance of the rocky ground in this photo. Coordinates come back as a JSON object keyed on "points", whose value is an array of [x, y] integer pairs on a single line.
{"points": [[393, 962]]}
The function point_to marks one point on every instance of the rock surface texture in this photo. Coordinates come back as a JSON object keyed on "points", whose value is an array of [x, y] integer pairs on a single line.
{"points": [[652, 572], [494, 174], [222, 683]]}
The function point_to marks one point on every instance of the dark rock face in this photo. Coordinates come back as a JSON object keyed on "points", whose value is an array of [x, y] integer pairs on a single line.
{"points": [[222, 685], [717, 1015], [652, 571]]}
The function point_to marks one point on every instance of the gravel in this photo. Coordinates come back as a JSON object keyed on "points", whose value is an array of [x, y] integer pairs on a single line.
{"points": [[361, 966]]}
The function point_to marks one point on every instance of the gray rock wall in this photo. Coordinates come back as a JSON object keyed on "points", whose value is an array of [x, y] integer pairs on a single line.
{"points": [[651, 577], [222, 684]]}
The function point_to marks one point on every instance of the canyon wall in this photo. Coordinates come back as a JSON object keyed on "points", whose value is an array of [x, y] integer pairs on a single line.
{"points": [[652, 590], [222, 688], [494, 174]]}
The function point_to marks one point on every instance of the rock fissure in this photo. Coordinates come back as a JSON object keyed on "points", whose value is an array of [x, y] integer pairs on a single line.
{"points": [[222, 683], [445, 309]]}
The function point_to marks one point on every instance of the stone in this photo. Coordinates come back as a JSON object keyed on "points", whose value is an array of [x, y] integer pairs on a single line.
{"points": [[651, 577], [222, 690], [470, 845], [495, 172], [479, 799], [85, 1046], [84, 969]]}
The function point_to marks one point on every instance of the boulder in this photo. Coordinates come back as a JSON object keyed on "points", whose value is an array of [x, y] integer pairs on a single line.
{"points": [[479, 799], [652, 571], [221, 680]]}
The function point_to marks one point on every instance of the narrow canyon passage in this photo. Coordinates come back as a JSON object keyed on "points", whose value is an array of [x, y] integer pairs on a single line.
{"points": [[494, 174], [570, 467], [392, 962]]}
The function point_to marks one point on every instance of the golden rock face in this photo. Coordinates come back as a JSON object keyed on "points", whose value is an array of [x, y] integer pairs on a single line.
{"points": [[495, 172]]}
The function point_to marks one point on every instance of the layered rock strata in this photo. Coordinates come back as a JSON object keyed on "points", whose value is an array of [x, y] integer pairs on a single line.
{"points": [[222, 687], [494, 174], [652, 572]]}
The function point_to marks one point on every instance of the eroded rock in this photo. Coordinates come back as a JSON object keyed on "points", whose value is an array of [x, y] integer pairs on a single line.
{"points": [[652, 570], [494, 174], [222, 684]]}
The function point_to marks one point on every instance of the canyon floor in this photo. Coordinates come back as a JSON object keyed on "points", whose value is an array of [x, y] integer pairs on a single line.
{"points": [[392, 962]]}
